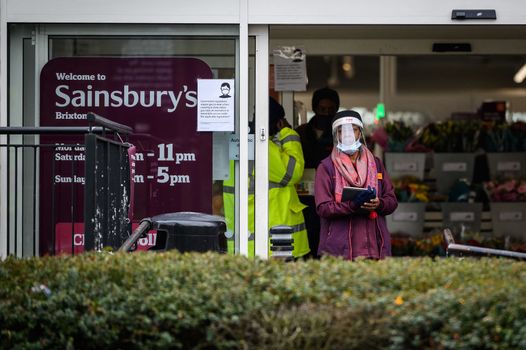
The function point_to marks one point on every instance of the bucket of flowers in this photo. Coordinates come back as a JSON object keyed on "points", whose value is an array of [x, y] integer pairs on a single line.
{"points": [[410, 189], [508, 190], [458, 136]]}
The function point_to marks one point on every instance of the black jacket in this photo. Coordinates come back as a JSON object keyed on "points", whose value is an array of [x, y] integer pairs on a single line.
{"points": [[314, 150]]}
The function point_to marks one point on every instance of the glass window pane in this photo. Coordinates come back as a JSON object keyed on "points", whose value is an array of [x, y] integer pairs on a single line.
{"points": [[150, 84], [447, 73]]}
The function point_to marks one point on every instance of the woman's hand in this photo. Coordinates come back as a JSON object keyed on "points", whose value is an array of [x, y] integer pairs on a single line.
{"points": [[371, 205]]}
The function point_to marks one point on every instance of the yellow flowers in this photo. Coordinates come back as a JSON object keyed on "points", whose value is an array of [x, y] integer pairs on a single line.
{"points": [[411, 189], [429, 243], [399, 300], [422, 197]]}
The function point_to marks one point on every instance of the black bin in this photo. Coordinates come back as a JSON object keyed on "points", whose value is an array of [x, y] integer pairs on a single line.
{"points": [[190, 232]]}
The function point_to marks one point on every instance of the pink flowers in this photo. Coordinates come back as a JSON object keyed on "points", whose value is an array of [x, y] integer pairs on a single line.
{"points": [[506, 191]]}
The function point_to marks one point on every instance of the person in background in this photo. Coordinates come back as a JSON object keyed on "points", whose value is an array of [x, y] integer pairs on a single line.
{"points": [[316, 141], [285, 166], [357, 228], [316, 135]]}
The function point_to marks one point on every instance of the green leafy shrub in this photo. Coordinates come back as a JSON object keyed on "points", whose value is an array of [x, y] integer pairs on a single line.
{"points": [[210, 301]]}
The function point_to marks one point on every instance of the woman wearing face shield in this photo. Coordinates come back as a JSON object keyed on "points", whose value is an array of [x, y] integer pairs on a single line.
{"points": [[354, 228]]}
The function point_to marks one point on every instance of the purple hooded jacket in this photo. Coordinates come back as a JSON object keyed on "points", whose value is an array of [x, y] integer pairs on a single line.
{"points": [[346, 230]]}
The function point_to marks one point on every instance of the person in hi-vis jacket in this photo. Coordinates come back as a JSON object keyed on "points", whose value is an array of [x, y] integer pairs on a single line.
{"points": [[285, 168]]}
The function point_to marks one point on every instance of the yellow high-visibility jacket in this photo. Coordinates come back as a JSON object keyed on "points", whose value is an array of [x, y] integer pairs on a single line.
{"points": [[285, 170], [229, 205]]}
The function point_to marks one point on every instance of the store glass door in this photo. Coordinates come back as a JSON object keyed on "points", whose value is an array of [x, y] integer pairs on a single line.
{"points": [[145, 77]]}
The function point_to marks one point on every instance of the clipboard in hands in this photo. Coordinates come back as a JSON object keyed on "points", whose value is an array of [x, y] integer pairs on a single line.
{"points": [[349, 193]]}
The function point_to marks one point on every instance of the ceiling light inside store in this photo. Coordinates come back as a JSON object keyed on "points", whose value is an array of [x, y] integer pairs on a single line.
{"points": [[348, 66], [520, 75]]}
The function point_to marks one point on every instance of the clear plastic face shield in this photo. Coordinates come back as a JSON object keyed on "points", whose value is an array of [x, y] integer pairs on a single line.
{"points": [[346, 134], [345, 138]]}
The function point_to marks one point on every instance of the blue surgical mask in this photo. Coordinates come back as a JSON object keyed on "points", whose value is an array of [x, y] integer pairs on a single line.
{"points": [[349, 149]]}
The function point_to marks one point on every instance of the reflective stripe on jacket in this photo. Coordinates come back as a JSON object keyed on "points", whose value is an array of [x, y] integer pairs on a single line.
{"points": [[285, 170], [229, 198]]}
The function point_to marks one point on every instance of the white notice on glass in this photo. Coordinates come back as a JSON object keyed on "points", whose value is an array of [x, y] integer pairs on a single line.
{"points": [[215, 104], [405, 216], [290, 72], [233, 149], [459, 166], [510, 216], [462, 216]]}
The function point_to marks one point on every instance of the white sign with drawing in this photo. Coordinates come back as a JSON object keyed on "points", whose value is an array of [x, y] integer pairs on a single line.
{"points": [[215, 101], [290, 73]]}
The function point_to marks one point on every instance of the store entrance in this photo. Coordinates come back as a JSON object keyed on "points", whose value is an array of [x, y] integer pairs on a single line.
{"points": [[443, 107]]}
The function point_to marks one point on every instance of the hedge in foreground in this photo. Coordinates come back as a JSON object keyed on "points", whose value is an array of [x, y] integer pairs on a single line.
{"points": [[170, 300]]}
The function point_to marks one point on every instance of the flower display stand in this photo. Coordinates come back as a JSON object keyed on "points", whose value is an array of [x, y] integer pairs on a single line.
{"points": [[405, 164], [458, 216], [408, 218], [507, 165], [449, 167], [509, 219]]}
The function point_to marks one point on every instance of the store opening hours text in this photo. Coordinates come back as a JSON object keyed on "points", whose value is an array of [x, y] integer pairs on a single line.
{"points": [[164, 166], [169, 158]]}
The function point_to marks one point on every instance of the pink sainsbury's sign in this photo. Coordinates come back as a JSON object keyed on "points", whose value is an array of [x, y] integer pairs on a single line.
{"points": [[157, 98], [64, 236]]}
